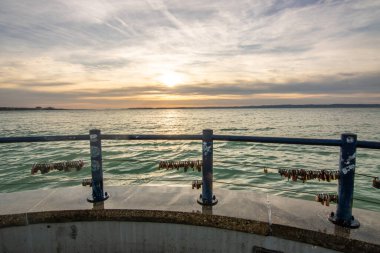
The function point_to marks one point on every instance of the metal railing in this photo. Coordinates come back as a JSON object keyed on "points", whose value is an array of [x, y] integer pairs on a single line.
{"points": [[348, 144]]}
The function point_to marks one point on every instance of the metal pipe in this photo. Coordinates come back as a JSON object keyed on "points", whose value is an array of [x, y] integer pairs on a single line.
{"points": [[282, 140], [347, 164], [368, 144], [96, 167], [150, 137], [44, 138]]}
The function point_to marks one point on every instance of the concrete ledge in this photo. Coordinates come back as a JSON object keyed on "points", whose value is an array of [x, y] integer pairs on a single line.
{"points": [[242, 211], [120, 236]]}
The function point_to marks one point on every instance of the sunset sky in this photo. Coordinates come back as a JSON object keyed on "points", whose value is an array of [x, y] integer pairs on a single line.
{"points": [[135, 53]]}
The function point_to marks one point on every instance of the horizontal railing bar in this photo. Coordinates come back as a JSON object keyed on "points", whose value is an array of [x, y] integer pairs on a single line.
{"points": [[368, 144], [281, 140], [150, 137], [45, 138]]}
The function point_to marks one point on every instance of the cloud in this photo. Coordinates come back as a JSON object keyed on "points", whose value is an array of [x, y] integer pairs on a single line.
{"points": [[279, 6], [262, 49], [37, 83], [325, 90], [354, 84], [221, 48], [96, 62]]}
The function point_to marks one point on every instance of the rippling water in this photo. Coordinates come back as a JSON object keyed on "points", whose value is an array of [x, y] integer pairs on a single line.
{"points": [[236, 165]]}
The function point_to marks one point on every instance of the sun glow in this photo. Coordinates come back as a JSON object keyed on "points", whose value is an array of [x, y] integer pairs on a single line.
{"points": [[170, 79]]}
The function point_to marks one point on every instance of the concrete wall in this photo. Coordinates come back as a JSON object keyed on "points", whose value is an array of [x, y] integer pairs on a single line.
{"points": [[109, 236]]}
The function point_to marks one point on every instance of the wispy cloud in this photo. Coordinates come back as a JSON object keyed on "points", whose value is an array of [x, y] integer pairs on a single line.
{"points": [[323, 49]]}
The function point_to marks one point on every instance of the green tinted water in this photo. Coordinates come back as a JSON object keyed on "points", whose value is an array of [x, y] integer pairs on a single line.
{"points": [[236, 165]]}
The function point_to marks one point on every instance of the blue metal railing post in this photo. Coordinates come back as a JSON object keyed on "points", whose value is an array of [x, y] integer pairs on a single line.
{"points": [[207, 198], [96, 167], [347, 164]]}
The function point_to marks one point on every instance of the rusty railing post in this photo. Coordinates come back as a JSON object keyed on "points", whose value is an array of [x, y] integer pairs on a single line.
{"points": [[207, 198], [98, 194], [347, 165]]}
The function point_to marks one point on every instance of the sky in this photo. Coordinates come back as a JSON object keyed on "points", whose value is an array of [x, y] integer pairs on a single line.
{"points": [[153, 53]]}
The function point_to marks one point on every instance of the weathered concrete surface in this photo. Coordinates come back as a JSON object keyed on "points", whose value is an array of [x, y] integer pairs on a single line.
{"points": [[244, 211], [111, 236]]}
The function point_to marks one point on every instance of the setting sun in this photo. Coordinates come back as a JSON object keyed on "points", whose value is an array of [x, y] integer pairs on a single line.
{"points": [[171, 79], [127, 54]]}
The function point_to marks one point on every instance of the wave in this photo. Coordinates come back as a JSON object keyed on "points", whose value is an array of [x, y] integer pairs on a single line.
{"points": [[265, 129], [233, 129]]}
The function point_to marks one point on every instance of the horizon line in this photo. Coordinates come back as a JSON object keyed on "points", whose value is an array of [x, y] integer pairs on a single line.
{"points": [[286, 106]]}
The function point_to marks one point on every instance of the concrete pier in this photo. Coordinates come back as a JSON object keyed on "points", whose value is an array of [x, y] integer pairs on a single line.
{"points": [[168, 219]]}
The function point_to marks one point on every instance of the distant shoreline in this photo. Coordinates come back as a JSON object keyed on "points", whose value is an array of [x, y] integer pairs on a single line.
{"points": [[286, 106], [30, 109]]}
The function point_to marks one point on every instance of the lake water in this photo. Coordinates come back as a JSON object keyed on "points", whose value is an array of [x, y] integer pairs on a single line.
{"points": [[236, 165]]}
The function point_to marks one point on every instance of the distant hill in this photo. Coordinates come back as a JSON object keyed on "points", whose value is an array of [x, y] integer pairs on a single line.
{"points": [[272, 106], [38, 108], [320, 106], [208, 107]]}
